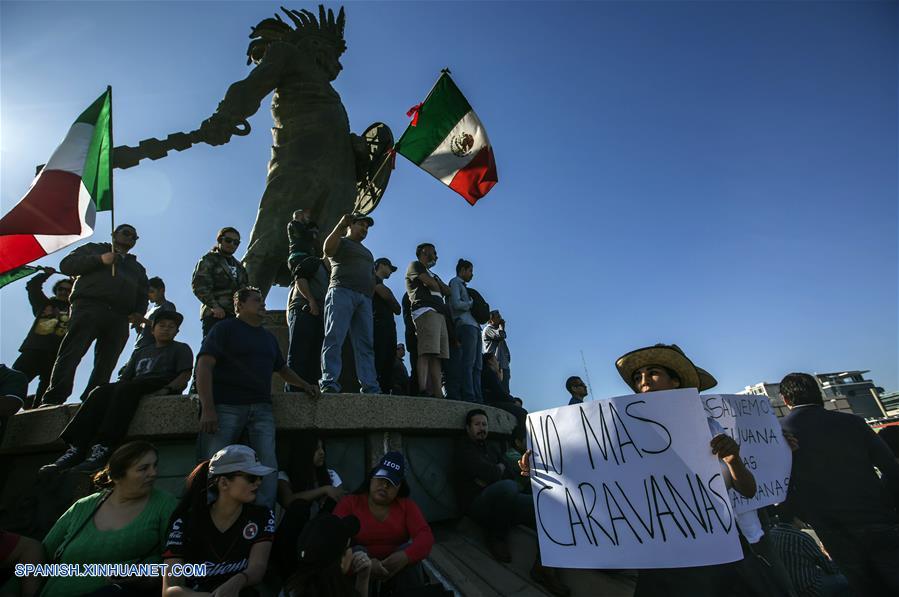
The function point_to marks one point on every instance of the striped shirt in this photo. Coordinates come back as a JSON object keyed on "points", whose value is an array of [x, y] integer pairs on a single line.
{"points": [[803, 559]]}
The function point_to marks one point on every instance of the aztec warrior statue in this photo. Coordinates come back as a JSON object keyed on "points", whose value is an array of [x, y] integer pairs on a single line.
{"points": [[316, 162]]}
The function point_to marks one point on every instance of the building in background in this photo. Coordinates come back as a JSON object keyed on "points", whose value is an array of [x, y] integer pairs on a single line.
{"points": [[846, 391]]}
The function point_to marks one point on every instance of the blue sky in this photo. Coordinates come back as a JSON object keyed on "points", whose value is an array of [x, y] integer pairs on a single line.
{"points": [[722, 175]]}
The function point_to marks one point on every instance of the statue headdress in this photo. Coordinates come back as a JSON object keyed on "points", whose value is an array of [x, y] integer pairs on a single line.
{"points": [[326, 27]]}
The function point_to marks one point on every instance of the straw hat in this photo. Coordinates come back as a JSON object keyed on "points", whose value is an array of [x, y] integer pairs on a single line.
{"points": [[707, 381], [669, 356]]}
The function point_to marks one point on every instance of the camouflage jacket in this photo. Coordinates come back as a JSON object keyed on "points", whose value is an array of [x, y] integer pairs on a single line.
{"points": [[215, 280]]}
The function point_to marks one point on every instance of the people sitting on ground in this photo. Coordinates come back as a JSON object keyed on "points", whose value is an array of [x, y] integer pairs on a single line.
{"points": [[348, 304], [51, 321], [126, 522], [302, 239], [890, 435], [306, 488], [487, 490], [495, 343], [429, 316], [384, 308], [326, 562], [217, 276], [393, 531], [400, 373], [460, 375], [16, 549], [835, 488], [234, 384], [811, 572], [216, 523], [102, 421], [306, 319], [577, 388], [495, 393], [518, 445], [103, 305], [157, 302]]}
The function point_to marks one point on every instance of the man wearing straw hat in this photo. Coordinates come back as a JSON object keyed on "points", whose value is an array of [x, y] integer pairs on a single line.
{"points": [[666, 367]]}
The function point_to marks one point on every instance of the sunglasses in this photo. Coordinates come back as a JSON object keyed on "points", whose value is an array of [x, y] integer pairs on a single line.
{"points": [[230, 241], [128, 233], [250, 478], [64, 289]]}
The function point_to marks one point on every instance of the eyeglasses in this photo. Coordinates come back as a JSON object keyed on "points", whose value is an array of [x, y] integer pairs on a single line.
{"points": [[250, 478], [128, 233], [230, 241]]}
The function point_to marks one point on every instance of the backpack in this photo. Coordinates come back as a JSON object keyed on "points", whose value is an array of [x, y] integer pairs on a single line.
{"points": [[480, 310]]}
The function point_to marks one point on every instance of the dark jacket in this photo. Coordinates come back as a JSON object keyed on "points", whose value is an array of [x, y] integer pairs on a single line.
{"points": [[124, 293], [48, 329], [833, 482], [475, 461], [215, 280]]}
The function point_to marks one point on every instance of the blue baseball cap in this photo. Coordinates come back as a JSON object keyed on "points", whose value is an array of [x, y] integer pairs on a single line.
{"points": [[392, 467]]}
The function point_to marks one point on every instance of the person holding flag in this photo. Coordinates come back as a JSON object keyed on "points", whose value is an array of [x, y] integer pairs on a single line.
{"points": [[103, 305]]}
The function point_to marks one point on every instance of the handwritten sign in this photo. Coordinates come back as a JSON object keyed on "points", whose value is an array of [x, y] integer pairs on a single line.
{"points": [[630, 482], [751, 421]]}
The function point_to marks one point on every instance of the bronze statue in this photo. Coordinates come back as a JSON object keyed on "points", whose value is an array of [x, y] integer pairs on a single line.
{"points": [[317, 164]]}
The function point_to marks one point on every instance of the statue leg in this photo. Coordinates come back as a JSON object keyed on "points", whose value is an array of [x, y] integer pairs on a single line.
{"points": [[266, 256]]}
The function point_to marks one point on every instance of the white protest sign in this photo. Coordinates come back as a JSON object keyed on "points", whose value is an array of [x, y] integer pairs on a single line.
{"points": [[630, 482], [750, 420]]}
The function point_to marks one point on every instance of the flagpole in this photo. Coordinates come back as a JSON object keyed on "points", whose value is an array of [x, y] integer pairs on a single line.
{"points": [[111, 197]]}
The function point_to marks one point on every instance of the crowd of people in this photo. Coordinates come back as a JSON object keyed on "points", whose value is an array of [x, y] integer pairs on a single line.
{"points": [[327, 539]]}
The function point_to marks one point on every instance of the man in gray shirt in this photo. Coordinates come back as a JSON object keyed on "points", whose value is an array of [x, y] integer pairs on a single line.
{"points": [[348, 304]]}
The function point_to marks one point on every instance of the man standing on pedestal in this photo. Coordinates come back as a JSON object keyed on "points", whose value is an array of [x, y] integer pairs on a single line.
{"points": [[217, 276], [384, 307], [234, 384], [495, 344], [103, 305], [348, 304]]}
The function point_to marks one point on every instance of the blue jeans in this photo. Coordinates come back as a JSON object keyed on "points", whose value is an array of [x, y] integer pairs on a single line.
{"points": [[304, 349], [349, 311], [259, 422], [500, 506], [460, 384], [477, 370]]}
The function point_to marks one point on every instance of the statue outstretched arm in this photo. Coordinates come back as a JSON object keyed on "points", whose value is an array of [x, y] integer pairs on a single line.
{"points": [[243, 97]]}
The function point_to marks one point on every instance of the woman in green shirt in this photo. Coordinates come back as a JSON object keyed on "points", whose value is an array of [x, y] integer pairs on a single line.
{"points": [[125, 523]]}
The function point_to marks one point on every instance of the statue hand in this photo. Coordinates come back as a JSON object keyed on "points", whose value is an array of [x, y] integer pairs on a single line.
{"points": [[217, 129]]}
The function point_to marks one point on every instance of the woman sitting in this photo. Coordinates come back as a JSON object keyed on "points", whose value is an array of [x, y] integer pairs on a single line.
{"points": [[217, 524], [325, 560], [124, 523], [392, 528], [307, 488]]}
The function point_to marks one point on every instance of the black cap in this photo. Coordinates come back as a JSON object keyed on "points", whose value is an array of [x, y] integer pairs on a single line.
{"points": [[384, 261], [325, 538], [358, 216], [166, 314]]}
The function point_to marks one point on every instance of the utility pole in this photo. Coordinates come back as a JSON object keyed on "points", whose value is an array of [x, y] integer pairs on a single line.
{"points": [[586, 372]]}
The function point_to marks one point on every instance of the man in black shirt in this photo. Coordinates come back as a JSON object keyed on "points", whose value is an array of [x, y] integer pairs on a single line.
{"points": [[306, 320], [384, 307], [38, 351], [487, 491], [577, 388], [834, 487], [102, 420], [103, 305], [234, 385]]}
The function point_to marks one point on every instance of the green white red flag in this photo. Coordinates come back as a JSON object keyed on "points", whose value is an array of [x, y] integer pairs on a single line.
{"points": [[447, 139], [61, 205]]}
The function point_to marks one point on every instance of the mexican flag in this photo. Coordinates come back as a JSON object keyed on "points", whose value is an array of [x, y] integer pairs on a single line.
{"points": [[61, 205], [447, 139]]}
